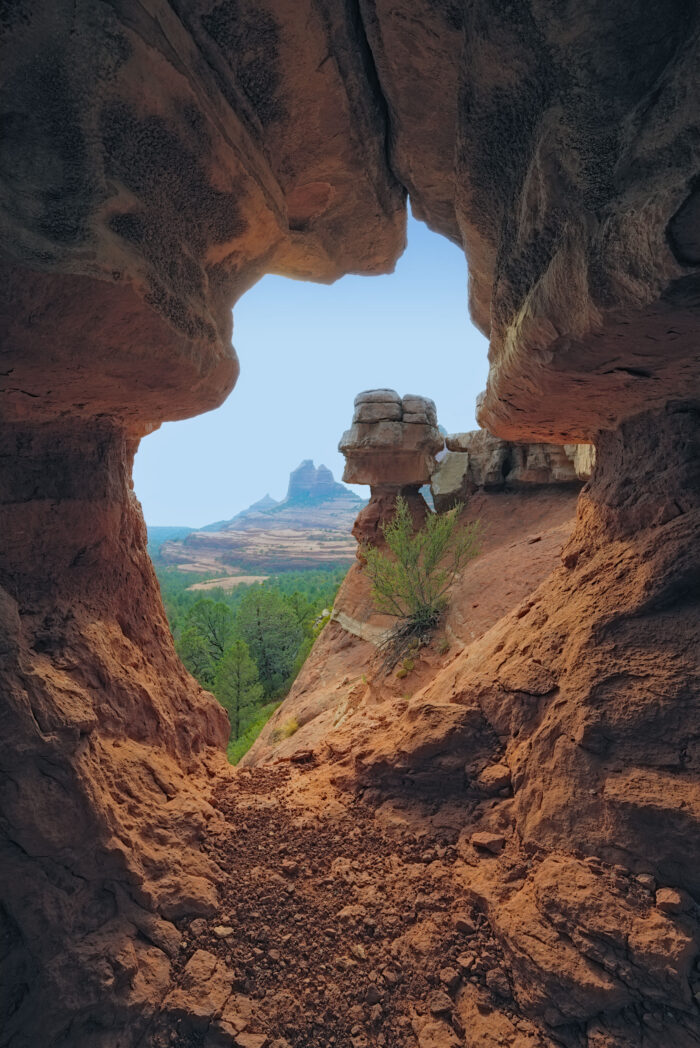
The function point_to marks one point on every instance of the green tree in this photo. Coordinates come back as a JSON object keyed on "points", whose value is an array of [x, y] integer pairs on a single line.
{"points": [[410, 579], [271, 630], [304, 609], [194, 652], [215, 623], [237, 687]]}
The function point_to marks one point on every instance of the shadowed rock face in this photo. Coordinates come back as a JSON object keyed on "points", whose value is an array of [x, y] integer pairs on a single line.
{"points": [[155, 160], [564, 161], [478, 460]]}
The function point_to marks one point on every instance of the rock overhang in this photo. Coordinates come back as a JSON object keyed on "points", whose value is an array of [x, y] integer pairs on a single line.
{"points": [[220, 142]]}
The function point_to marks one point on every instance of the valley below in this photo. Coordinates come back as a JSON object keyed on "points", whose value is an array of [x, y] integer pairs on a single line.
{"points": [[310, 528]]}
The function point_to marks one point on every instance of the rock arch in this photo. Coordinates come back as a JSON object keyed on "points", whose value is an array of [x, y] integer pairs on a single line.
{"points": [[156, 160]]}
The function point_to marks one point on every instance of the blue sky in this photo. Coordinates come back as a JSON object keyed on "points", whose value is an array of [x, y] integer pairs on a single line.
{"points": [[305, 351]]}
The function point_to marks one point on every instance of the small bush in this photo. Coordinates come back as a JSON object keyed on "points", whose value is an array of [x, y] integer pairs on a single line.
{"points": [[411, 579], [402, 672], [285, 731], [443, 646]]}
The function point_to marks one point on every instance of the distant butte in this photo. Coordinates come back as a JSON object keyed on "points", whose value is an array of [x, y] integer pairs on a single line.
{"points": [[310, 527]]}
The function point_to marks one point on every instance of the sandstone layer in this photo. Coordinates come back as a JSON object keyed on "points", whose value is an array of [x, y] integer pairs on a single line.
{"points": [[526, 750], [156, 159], [564, 161], [479, 460]]}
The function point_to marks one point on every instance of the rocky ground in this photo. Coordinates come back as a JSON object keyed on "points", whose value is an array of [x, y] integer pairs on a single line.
{"points": [[522, 535], [348, 924], [360, 920]]}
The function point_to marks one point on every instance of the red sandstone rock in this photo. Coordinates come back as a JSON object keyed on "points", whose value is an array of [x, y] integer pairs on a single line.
{"points": [[491, 842], [671, 900], [494, 777], [391, 446], [478, 460], [382, 450], [157, 159]]}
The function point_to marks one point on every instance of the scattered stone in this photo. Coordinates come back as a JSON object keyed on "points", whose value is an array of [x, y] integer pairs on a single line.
{"points": [[497, 982], [198, 926], [646, 881], [439, 1003], [248, 1039], [372, 994], [494, 778], [351, 913], [674, 900], [223, 931], [465, 962], [486, 841], [450, 978], [464, 923], [289, 867]]}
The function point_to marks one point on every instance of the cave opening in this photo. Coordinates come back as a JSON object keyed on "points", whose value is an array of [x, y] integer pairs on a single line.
{"points": [[496, 845], [305, 350]]}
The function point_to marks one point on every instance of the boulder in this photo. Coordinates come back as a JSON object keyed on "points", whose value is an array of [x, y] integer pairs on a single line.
{"points": [[382, 450], [478, 460]]}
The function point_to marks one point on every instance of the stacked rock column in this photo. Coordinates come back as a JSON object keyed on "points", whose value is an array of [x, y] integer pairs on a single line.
{"points": [[391, 446]]}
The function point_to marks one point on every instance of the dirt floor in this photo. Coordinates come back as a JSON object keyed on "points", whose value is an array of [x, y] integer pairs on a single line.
{"points": [[349, 926]]}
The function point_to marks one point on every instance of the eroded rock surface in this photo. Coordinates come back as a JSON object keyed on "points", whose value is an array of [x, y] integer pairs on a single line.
{"points": [[108, 746], [478, 460], [529, 751], [155, 160]]}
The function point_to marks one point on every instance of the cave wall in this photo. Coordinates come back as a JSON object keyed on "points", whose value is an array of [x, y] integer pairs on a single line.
{"points": [[155, 160]]}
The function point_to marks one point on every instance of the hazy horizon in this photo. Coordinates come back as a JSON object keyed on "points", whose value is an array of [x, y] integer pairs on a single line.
{"points": [[409, 331]]}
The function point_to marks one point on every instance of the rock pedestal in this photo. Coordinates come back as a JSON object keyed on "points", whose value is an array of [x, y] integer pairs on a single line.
{"points": [[391, 446]]}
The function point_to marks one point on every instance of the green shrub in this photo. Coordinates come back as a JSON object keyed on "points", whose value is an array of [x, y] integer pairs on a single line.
{"points": [[411, 578], [285, 731], [237, 747]]}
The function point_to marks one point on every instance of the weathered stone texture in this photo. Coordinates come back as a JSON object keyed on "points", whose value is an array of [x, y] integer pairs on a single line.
{"points": [[478, 460], [156, 159]]}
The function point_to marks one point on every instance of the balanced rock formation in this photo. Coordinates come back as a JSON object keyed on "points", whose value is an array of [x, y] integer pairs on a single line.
{"points": [[477, 460], [391, 446]]}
